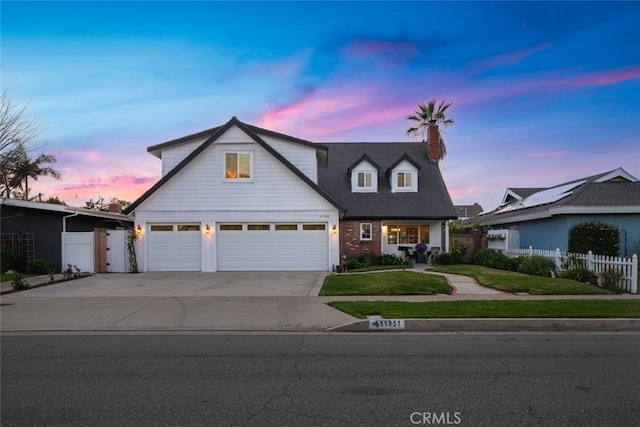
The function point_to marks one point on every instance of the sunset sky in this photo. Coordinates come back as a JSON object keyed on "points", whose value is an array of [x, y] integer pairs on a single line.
{"points": [[542, 92]]}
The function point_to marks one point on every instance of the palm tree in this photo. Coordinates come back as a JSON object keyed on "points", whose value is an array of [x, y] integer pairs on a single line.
{"points": [[25, 168], [430, 114]]}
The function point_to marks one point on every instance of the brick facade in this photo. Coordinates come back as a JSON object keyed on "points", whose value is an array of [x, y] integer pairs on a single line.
{"points": [[350, 243]]}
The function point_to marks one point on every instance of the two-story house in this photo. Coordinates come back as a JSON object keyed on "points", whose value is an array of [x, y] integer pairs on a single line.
{"points": [[241, 198]]}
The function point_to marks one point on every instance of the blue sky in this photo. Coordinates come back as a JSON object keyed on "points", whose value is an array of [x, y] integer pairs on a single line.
{"points": [[542, 92]]}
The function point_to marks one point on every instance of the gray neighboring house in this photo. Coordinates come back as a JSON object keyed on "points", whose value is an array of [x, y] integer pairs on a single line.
{"points": [[36, 228], [544, 216]]}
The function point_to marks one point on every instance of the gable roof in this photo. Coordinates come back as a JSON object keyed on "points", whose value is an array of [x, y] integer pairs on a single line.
{"points": [[404, 157], [431, 201], [611, 192], [363, 158], [216, 133]]}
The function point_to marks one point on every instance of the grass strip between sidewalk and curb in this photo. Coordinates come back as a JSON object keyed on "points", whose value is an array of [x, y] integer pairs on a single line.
{"points": [[510, 281], [386, 283], [592, 308]]}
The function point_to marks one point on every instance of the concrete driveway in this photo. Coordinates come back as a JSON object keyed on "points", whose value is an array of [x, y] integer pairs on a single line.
{"points": [[242, 301], [188, 284]]}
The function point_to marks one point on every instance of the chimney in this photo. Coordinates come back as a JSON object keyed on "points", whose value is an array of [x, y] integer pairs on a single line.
{"points": [[433, 142], [115, 208]]}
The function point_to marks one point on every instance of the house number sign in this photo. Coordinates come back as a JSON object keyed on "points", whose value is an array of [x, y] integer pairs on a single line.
{"points": [[386, 324]]}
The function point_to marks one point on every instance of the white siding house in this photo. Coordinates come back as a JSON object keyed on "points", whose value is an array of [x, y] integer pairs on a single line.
{"points": [[232, 202]]}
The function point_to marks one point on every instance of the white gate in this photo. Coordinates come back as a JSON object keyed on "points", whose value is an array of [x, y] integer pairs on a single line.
{"points": [[117, 251], [78, 250]]}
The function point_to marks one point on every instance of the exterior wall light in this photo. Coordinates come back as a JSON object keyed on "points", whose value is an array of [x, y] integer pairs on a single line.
{"points": [[138, 229], [207, 229], [334, 229]]}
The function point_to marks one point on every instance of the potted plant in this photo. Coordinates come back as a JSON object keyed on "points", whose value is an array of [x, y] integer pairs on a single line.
{"points": [[421, 256]]}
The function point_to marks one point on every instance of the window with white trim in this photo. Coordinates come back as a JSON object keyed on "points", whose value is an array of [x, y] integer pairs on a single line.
{"points": [[365, 231], [238, 166]]}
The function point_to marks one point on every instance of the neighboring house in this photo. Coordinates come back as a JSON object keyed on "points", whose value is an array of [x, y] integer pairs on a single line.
{"points": [[544, 216], [468, 211], [35, 229], [241, 198]]}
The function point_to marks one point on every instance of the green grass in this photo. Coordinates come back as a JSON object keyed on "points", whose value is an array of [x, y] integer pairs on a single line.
{"points": [[510, 281], [9, 277], [387, 283], [492, 309]]}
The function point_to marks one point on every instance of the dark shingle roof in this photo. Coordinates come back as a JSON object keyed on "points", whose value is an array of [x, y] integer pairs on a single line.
{"points": [[612, 190], [432, 201]]}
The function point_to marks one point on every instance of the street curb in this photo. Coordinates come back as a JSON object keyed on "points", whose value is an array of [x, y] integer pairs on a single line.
{"points": [[499, 325]]}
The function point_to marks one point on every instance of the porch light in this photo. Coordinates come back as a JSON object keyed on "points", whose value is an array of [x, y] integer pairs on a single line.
{"points": [[138, 229], [334, 229], [207, 229]]}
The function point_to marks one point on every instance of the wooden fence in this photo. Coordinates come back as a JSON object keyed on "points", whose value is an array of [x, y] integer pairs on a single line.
{"points": [[596, 263]]}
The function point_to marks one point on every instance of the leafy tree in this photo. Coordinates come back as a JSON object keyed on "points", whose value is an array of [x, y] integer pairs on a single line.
{"points": [[101, 205], [16, 163], [429, 113], [598, 237], [24, 168], [55, 201]]}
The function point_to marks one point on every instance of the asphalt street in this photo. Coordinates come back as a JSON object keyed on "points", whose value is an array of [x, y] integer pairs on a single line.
{"points": [[272, 379]]}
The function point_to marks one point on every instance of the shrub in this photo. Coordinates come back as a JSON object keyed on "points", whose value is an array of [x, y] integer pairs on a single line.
{"points": [[38, 266], [446, 258], [499, 261], [481, 256], [598, 237], [581, 274], [609, 279], [391, 259], [19, 282], [515, 262], [537, 265], [13, 260], [458, 247]]}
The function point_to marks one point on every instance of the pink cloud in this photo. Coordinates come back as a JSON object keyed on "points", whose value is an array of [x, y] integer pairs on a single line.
{"points": [[514, 57], [390, 52], [599, 78]]}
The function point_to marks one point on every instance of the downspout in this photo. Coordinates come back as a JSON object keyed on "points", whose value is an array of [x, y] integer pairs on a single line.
{"points": [[64, 221], [64, 232]]}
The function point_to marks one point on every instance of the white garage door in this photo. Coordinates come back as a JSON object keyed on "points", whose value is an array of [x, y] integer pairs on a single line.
{"points": [[272, 247], [175, 247]]}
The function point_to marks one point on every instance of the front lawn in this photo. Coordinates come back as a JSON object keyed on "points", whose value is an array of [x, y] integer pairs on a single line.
{"points": [[594, 308], [9, 277], [510, 281], [388, 283]]}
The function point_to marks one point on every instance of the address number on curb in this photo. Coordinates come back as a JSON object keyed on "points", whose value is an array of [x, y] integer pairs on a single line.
{"points": [[386, 324]]}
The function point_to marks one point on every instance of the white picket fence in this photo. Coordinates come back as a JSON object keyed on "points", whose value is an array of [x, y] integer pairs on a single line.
{"points": [[596, 263]]}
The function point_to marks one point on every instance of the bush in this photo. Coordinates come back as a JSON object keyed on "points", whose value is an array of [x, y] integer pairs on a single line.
{"points": [[598, 237], [609, 279], [581, 274], [499, 261], [446, 258], [368, 260], [481, 256], [13, 260], [38, 266], [515, 262], [537, 265]]}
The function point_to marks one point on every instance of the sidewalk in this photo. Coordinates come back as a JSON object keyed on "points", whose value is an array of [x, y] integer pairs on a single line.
{"points": [[87, 309]]}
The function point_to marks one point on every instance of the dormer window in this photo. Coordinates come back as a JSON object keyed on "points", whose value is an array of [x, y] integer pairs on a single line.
{"points": [[364, 175], [364, 180], [405, 180], [403, 175]]}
